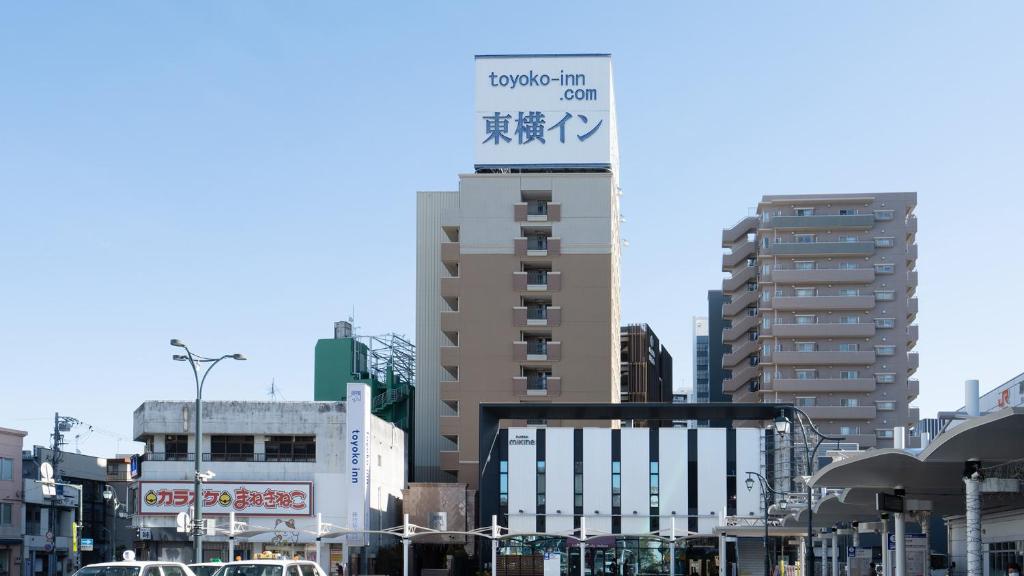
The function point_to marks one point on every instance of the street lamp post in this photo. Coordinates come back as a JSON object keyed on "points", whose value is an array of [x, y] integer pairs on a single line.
{"points": [[767, 497], [195, 361], [782, 426], [110, 495]]}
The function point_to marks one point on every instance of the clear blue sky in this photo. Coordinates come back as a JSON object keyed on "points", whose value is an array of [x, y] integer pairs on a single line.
{"points": [[241, 174]]}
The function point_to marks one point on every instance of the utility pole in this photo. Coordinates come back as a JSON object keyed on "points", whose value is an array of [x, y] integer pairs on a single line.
{"points": [[60, 424]]}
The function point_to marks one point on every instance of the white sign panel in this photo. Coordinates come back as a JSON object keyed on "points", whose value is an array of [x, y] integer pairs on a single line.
{"points": [[552, 564], [357, 461], [246, 498], [545, 111]]}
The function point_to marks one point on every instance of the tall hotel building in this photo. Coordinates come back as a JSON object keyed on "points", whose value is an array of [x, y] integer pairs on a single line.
{"points": [[819, 311], [518, 270]]}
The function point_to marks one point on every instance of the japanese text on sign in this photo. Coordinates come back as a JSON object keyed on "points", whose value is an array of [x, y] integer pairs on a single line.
{"points": [[277, 499]]}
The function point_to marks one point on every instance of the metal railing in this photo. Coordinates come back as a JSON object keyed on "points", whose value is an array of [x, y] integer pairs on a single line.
{"points": [[537, 313], [536, 277]]}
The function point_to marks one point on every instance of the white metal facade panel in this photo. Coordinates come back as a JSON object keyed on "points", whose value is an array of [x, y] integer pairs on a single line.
{"points": [[433, 210], [748, 459], [672, 465], [636, 480], [597, 479], [559, 462], [711, 466], [522, 479]]}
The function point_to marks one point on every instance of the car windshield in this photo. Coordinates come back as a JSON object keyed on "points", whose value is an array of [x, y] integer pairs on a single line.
{"points": [[250, 570], [205, 570], [108, 571]]}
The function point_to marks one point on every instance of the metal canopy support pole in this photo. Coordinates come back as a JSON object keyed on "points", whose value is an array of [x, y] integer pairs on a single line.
{"points": [[885, 546], [972, 484], [231, 536], [405, 545], [494, 544], [803, 554], [583, 546], [721, 555], [672, 549], [319, 542], [901, 540]]}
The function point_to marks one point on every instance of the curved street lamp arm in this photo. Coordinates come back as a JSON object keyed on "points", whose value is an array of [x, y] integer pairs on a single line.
{"points": [[206, 373]]}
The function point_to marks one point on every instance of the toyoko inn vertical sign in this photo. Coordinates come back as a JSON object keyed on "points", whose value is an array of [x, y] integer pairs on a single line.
{"points": [[357, 460], [555, 111]]}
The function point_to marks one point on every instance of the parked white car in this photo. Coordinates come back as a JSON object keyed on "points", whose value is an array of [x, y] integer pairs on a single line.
{"points": [[271, 568], [133, 568], [206, 568]]}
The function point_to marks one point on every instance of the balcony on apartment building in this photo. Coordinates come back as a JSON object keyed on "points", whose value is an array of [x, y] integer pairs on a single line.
{"points": [[848, 221], [822, 273], [913, 415], [862, 440], [537, 281], [911, 225], [537, 211], [449, 390], [449, 460], [536, 314], [912, 332], [738, 302], [740, 351], [912, 279], [739, 253], [823, 329], [450, 355], [538, 245], [913, 361], [911, 308], [449, 425], [449, 251], [798, 385], [813, 302], [740, 376], [819, 356], [537, 383], [449, 321], [536, 349], [738, 230], [840, 412], [818, 249], [450, 286]]}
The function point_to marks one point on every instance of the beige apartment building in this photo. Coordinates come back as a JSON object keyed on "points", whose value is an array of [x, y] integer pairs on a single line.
{"points": [[820, 309], [517, 301]]}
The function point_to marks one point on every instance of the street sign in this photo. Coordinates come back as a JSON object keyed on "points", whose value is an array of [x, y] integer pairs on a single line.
{"points": [[87, 544], [891, 542], [851, 551], [183, 521], [49, 536], [46, 478], [145, 534]]}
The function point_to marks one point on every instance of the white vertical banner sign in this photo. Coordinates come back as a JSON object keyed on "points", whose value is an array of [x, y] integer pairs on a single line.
{"points": [[357, 418]]}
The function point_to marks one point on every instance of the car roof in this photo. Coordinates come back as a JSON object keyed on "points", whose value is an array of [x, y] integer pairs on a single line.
{"points": [[270, 562], [207, 564], [136, 563]]}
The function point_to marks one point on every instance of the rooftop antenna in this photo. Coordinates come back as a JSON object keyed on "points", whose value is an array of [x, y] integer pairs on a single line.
{"points": [[274, 392]]}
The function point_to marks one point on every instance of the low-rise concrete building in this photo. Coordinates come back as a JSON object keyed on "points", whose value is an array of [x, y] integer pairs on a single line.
{"points": [[279, 466], [11, 501]]}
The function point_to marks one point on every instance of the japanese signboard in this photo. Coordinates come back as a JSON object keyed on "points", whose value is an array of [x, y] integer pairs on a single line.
{"points": [[357, 418], [545, 111], [244, 498]]}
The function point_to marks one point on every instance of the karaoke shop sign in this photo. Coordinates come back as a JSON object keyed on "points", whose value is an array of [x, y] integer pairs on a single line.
{"points": [[243, 498]]}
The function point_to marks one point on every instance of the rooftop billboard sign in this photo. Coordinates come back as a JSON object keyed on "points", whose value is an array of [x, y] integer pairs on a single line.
{"points": [[545, 111]]}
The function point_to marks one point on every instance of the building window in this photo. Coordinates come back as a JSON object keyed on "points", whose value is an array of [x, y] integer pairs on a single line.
{"points": [[655, 487], [6, 469], [616, 484], [848, 266], [848, 374], [806, 319], [884, 242], [5, 514], [176, 447], [885, 295], [883, 433], [885, 350], [806, 346], [231, 448], [503, 483], [885, 322], [806, 292], [885, 214], [806, 374], [849, 319], [804, 211], [766, 322], [848, 402], [541, 483], [805, 400], [849, 430], [885, 268], [849, 291], [803, 265], [849, 239], [804, 238], [291, 449], [885, 378], [885, 406], [577, 485], [849, 347]]}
